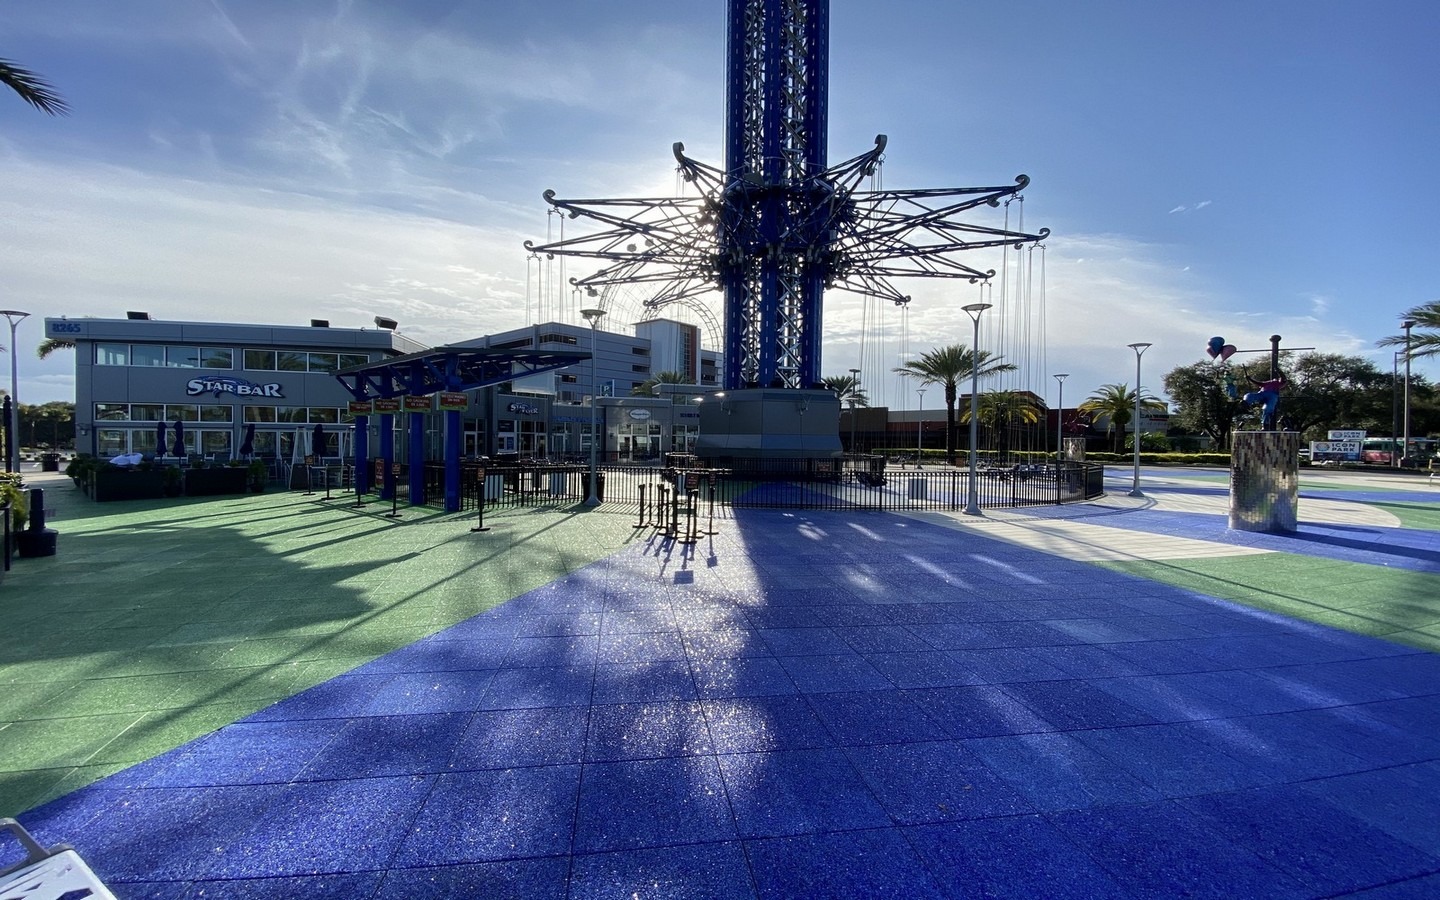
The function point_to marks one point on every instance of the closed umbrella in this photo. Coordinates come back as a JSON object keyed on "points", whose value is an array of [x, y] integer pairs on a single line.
{"points": [[317, 441], [160, 439], [179, 449], [247, 446]]}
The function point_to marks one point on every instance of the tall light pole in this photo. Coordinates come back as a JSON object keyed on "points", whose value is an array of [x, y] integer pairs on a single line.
{"points": [[854, 386], [973, 310], [593, 316], [920, 428], [12, 459], [1405, 441], [1139, 349], [1060, 418]]}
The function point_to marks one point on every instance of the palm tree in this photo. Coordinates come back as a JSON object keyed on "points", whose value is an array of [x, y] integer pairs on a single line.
{"points": [[1117, 401], [946, 366], [1426, 343], [846, 388], [32, 89], [51, 344], [998, 410], [647, 388]]}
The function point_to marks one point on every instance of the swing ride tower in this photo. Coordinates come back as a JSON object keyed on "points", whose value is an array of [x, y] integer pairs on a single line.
{"points": [[776, 225]]}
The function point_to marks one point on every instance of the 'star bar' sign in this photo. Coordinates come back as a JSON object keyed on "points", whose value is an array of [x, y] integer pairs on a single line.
{"points": [[221, 385]]}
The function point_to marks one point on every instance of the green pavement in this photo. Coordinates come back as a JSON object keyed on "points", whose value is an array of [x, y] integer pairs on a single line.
{"points": [[160, 621]]}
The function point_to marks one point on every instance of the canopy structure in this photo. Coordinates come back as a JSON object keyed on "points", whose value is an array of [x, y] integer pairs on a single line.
{"points": [[448, 369]]}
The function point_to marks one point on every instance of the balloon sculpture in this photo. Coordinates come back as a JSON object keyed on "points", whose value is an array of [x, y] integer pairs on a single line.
{"points": [[1268, 393]]}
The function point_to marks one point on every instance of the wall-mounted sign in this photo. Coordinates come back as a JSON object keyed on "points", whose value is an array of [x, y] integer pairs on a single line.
{"points": [[523, 409], [453, 400], [387, 404], [640, 415], [66, 329], [418, 404], [220, 385], [361, 407]]}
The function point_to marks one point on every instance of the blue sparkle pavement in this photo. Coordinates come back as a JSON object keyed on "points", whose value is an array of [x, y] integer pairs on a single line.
{"points": [[809, 705]]}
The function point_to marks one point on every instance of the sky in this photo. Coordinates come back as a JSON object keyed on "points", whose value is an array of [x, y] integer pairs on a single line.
{"points": [[1229, 168]]}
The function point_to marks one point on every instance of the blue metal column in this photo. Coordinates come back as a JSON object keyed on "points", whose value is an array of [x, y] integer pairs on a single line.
{"points": [[387, 453], [417, 458], [362, 455]]}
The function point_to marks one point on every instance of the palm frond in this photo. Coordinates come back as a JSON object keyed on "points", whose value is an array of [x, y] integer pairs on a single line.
{"points": [[32, 88]]}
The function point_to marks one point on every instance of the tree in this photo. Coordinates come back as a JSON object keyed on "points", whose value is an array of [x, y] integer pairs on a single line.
{"points": [[846, 388], [32, 89], [47, 424], [999, 410], [51, 344], [1331, 390], [648, 387], [1117, 403], [1427, 342], [946, 366]]}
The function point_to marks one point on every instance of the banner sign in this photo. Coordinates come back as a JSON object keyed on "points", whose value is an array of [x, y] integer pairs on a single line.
{"points": [[220, 385], [454, 401], [1345, 435], [419, 404], [387, 404], [1339, 450], [361, 407]]}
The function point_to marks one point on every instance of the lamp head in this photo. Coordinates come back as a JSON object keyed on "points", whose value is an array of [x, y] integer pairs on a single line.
{"points": [[1407, 324], [975, 309], [1140, 347], [593, 315], [1061, 377]]}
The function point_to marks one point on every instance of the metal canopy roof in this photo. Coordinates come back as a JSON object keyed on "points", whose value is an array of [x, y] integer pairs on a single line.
{"points": [[450, 368]]}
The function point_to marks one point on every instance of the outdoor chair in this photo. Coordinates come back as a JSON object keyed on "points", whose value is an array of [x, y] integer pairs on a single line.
{"points": [[54, 874]]}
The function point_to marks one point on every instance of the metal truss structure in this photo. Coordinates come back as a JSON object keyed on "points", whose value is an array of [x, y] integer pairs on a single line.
{"points": [[776, 226]]}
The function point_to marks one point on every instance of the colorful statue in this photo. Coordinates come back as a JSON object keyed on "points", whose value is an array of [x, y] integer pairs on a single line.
{"points": [[1268, 395]]}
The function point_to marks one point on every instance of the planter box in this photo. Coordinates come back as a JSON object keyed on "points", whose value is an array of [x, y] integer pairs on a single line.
{"points": [[123, 484], [209, 482]]}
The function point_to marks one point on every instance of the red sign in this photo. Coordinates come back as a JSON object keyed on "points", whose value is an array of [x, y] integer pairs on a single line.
{"points": [[361, 407], [379, 470], [387, 404], [454, 401], [418, 404]]}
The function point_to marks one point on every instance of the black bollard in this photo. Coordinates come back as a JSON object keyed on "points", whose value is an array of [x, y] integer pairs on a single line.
{"points": [[36, 540], [641, 522], [480, 504]]}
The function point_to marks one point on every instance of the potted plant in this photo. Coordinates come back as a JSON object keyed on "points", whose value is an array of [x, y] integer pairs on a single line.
{"points": [[204, 480], [10, 491], [257, 474], [173, 479]]}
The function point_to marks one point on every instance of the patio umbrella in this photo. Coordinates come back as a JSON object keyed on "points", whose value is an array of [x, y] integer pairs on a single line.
{"points": [[317, 441], [247, 446], [179, 449], [160, 439]]}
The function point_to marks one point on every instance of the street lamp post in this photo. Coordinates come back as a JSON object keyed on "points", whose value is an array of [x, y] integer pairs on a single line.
{"points": [[593, 316], [973, 310], [920, 428], [12, 458], [1060, 418], [1139, 348], [1405, 440], [854, 386]]}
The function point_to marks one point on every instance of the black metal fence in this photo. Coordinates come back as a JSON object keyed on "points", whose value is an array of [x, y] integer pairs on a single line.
{"points": [[849, 483]]}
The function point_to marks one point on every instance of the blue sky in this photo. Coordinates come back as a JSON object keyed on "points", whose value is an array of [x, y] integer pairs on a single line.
{"points": [[1225, 168]]}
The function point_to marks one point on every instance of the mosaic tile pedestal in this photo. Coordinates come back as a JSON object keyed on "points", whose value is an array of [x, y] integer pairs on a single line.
{"points": [[1264, 481]]}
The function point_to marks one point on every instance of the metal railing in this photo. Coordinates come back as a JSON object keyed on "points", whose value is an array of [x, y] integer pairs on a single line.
{"points": [[848, 483]]}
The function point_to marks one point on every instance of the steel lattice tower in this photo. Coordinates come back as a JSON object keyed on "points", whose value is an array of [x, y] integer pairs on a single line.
{"points": [[777, 226]]}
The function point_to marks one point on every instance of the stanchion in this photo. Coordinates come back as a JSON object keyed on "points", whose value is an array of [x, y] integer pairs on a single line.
{"points": [[692, 519], [641, 522], [662, 494], [711, 529], [309, 478], [480, 502], [674, 530], [394, 512], [325, 472]]}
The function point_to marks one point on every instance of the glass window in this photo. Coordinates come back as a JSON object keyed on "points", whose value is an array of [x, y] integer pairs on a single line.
{"points": [[325, 363], [264, 443], [215, 414], [147, 355], [110, 412], [146, 412], [347, 360], [290, 361], [110, 442], [112, 354], [290, 414], [259, 414], [216, 358], [182, 357], [185, 412], [326, 414], [260, 360], [212, 442]]}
